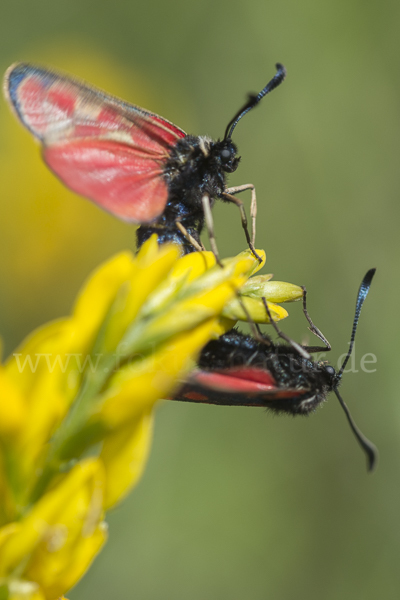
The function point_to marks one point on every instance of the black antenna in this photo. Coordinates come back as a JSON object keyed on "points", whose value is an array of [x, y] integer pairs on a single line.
{"points": [[368, 447], [254, 100], [362, 294]]}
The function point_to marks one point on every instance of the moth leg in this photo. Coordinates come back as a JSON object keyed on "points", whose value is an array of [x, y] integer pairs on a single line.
{"points": [[314, 329], [302, 351], [189, 237], [253, 205], [240, 205], [210, 227]]}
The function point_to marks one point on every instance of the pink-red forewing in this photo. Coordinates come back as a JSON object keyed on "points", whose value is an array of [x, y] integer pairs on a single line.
{"points": [[101, 147]]}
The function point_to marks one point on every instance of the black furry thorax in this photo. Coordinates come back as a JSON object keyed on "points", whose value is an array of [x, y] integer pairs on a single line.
{"points": [[196, 166]]}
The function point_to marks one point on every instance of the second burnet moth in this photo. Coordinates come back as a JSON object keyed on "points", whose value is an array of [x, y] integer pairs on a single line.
{"points": [[131, 162], [239, 370]]}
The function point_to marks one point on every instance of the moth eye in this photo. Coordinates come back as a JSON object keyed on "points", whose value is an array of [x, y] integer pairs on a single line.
{"points": [[225, 155], [330, 370]]}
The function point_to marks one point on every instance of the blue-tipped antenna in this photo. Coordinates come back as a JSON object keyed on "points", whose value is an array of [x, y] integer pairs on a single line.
{"points": [[254, 100], [368, 447]]}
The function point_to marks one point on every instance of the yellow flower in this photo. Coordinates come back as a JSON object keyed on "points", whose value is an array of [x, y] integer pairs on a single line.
{"points": [[249, 302], [87, 383], [56, 542]]}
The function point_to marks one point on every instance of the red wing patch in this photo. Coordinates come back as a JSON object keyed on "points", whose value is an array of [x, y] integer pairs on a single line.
{"points": [[71, 118], [245, 386], [248, 380], [120, 180]]}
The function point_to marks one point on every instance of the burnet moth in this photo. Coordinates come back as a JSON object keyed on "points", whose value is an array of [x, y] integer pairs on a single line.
{"points": [[131, 162], [238, 370]]}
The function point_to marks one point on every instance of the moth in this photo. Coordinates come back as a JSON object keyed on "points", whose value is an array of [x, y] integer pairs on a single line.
{"points": [[240, 370], [133, 163]]}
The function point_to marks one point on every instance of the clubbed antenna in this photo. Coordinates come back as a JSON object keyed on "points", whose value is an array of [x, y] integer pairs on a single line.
{"points": [[362, 294], [254, 100], [368, 447]]}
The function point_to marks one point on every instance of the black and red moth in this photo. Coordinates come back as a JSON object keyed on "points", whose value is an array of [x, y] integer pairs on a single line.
{"points": [[238, 370], [131, 162]]}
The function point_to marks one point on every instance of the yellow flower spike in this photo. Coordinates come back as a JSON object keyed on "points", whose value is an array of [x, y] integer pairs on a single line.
{"points": [[71, 507], [135, 388], [147, 277], [179, 319], [50, 363], [186, 269], [255, 308], [58, 571], [43, 368], [239, 266], [257, 265], [158, 311], [196, 302], [39, 370], [274, 291], [98, 293], [41, 422], [193, 265], [25, 366], [185, 315], [124, 455]]}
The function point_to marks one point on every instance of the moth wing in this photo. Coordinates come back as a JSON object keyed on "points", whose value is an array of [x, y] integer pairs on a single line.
{"points": [[111, 174], [103, 148], [243, 386]]}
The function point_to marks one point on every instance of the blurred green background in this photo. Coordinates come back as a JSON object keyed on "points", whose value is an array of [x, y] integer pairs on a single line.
{"points": [[234, 503]]}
